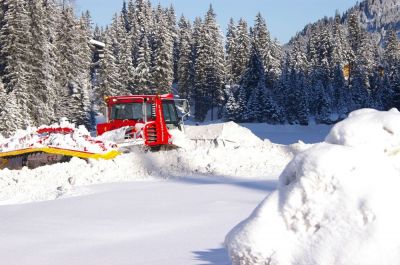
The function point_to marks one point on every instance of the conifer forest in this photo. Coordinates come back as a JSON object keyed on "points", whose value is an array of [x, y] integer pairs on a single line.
{"points": [[336, 65]]}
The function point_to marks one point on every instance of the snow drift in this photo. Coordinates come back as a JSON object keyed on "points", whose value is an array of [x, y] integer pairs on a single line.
{"points": [[225, 149], [64, 135], [336, 202]]}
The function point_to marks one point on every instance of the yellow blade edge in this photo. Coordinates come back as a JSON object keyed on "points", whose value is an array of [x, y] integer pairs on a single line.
{"points": [[56, 151]]}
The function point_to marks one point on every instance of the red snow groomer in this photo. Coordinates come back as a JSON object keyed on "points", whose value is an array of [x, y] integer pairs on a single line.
{"points": [[142, 119]]}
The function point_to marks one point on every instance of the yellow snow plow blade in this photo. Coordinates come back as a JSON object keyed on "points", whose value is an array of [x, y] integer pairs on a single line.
{"points": [[58, 151], [3, 163]]}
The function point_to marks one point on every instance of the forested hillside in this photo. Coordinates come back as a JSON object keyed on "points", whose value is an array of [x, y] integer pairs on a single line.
{"points": [[44, 64], [48, 70]]}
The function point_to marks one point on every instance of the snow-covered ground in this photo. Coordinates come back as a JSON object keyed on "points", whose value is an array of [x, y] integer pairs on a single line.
{"points": [[170, 207], [289, 134], [181, 221]]}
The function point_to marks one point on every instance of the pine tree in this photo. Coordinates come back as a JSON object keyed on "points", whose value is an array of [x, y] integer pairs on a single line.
{"points": [[341, 97], [392, 68], [74, 62], [253, 74], [325, 54], [209, 65], [260, 104], [301, 94], [125, 17], [10, 116], [98, 33], [162, 54], [125, 63], [323, 110], [173, 30], [108, 72], [362, 64], [341, 50], [240, 51], [141, 20], [269, 50], [130, 19], [294, 87], [43, 74], [319, 50], [230, 50], [142, 72], [14, 37], [241, 102], [231, 112], [359, 95], [354, 32], [185, 62]]}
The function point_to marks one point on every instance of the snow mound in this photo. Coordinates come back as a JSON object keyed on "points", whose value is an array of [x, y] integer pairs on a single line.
{"points": [[335, 202], [369, 129], [225, 133]]}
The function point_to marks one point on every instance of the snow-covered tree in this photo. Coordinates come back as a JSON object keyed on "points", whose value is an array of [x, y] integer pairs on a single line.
{"points": [[185, 63], [43, 54], [125, 63], [10, 115], [162, 54], [341, 50], [14, 54], [260, 103], [323, 109], [232, 108], [209, 67], [239, 51], [74, 62], [173, 30], [392, 68], [142, 72], [230, 50], [268, 49], [108, 72]]}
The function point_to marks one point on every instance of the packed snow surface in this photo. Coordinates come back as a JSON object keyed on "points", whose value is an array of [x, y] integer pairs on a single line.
{"points": [[169, 207], [289, 134], [225, 149], [152, 222], [336, 202]]}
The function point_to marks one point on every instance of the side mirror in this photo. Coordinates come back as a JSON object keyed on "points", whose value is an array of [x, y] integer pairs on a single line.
{"points": [[186, 107], [183, 107]]}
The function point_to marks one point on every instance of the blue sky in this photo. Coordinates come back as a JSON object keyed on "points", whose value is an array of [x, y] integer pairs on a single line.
{"points": [[284, 17]]}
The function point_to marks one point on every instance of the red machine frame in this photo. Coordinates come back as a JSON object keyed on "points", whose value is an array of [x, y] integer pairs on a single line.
{"points": [[155, 131]]}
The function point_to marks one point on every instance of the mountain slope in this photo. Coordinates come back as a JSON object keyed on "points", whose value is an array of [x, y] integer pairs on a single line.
{"points": [[377, 16]]}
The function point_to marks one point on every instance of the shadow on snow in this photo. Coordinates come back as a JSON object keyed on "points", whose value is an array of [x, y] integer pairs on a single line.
{"points": [[217, 256]]}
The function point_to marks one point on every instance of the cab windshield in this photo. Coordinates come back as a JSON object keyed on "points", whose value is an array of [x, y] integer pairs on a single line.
{"points": [[129, 111], [170, 114]]}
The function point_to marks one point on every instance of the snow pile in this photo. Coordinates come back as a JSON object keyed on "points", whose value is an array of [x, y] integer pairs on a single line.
{"points": [[220, 153], [336, 202], [228, 133], [369, 129], [116, 136], [60, 135], [228, 149]]}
